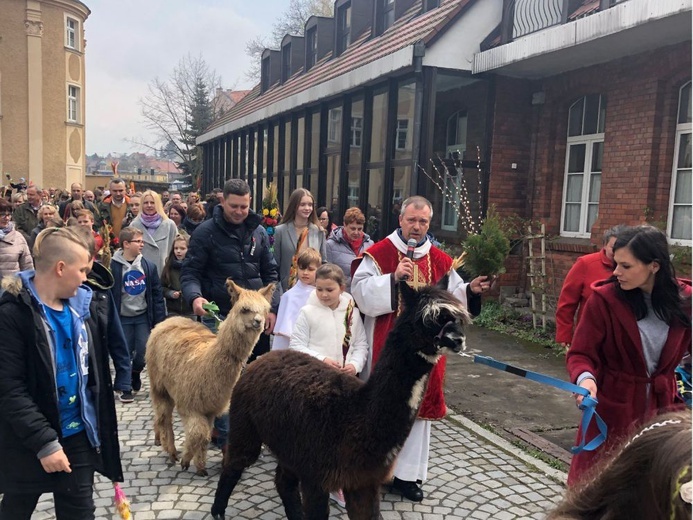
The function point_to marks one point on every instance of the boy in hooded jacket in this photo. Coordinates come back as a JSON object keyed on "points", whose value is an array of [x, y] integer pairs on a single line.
{"points": [[138, 297], [57, 413]]}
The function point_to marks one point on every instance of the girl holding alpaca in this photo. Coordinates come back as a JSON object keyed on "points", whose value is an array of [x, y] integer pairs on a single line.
{"points": [[329, 326], [170, 279]]}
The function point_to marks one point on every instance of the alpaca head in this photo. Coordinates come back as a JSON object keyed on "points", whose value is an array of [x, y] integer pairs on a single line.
{"points": [[438, 317], [251, 307]]}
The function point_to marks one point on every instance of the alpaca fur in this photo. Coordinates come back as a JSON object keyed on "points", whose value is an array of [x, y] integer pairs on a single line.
{"points": [[192, 369], [329, 430]]}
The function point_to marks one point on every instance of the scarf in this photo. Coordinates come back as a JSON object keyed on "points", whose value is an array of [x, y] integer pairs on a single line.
{"points": [[151, 221], [6, 230], [355, 245]]}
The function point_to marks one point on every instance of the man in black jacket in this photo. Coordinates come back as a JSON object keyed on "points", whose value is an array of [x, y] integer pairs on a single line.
{"points": [[232, 244], [57, 413]]}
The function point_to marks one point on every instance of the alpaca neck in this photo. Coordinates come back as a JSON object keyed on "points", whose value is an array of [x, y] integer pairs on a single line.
{"points": [[396, 386], [234, 343]]}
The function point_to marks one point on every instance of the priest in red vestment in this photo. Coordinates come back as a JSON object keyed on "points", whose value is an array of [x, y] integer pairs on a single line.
{"points": [[374, 287]]}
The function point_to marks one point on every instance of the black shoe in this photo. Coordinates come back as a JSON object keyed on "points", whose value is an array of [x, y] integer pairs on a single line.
{"points": [[136, 382], [126, 397], [409, 490]]}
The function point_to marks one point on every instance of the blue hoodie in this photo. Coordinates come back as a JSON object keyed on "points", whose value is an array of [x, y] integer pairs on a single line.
{"points": [[79, 306]]}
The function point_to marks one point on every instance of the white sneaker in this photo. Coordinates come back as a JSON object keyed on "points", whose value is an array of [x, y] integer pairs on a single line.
{"points": [[338, 496]]}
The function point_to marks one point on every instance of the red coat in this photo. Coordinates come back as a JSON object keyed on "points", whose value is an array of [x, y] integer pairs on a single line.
{"points": [[577, 287], [607, 344]]}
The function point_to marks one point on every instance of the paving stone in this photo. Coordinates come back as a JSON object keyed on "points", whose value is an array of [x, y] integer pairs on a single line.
{"points": [[469, 477]]}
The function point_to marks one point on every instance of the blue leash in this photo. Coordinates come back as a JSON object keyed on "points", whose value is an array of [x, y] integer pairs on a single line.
{"points": [[588, 406]]}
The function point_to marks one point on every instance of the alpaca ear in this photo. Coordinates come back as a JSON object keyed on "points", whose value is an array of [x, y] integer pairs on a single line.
{"points": [[443, 282], [409, 295], [233, 290], [268, 291]]}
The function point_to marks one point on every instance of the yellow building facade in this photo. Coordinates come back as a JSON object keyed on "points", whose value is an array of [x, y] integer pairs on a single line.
{"points": [[42, 91]]}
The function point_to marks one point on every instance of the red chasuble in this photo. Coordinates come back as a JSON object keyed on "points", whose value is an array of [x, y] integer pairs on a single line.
{"points": [[431, 268]]}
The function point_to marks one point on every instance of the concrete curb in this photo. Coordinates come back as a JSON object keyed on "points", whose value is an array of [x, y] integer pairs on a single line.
{"points": [[559, 476]]}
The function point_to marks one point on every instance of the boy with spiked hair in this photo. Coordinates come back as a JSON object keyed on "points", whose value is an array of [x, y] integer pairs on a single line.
{"points": [[57, 412]]}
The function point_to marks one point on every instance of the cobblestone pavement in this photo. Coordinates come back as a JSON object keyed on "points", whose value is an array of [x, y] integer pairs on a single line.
{"points": [[470, 476]]}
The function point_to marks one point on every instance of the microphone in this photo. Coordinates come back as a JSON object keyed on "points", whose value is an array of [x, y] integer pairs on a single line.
{"points": [[411, 245]]}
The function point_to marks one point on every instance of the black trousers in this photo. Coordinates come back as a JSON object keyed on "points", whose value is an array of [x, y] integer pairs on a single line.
{"points": [[73, 494]]}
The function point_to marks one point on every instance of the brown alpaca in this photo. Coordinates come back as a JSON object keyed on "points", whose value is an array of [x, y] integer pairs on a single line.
{"points": [[329, 430], [194, 371]]}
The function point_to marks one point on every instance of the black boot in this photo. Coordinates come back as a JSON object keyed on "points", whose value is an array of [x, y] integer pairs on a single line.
{"points": [[136, 381]]}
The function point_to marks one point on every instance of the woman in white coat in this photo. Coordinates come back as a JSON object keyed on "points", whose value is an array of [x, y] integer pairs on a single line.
{"points": [[298, 230], [158, 230]]}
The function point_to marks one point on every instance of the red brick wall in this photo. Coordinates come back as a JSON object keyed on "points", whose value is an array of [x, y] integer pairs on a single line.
{"points": [[642, 99]]}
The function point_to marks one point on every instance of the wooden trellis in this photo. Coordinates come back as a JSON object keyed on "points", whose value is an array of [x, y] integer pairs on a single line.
{"points": [[537, 275]]}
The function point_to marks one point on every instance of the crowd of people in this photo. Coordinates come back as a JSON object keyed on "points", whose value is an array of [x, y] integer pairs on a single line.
{"points": [[86, 276]]}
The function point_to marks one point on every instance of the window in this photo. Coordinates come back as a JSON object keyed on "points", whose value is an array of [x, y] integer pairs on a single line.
{"points": [[286, 62], [265, 74], [402, 132], [455, 148], [71, 33], [73, 104], [356, 132], [385, 16], [343, 28], [311, 47], [583, 165], [430, 4], [680, 214], [334, 124]]}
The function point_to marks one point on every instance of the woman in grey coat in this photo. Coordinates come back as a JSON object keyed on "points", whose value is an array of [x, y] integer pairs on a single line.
{"points": [[159, 230], [298, 230], [348, 242]]}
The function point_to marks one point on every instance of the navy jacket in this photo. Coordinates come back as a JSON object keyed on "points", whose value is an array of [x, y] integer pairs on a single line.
{"points": [[156, 305], [216, 253]]}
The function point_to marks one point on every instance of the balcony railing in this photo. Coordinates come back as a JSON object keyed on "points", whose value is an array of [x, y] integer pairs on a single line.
{"points": [[523, 17]]}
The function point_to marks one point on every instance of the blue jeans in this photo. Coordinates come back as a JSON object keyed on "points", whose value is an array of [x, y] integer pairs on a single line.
{"points": [[136, 329]]}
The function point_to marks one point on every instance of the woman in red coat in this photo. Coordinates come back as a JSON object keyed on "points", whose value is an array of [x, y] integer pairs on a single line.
{"points": [[634, 330]]}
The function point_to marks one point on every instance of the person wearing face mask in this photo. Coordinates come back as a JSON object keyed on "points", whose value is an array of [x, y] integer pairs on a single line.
{"points": [[348, 242], [298, 230], [374, 287]]}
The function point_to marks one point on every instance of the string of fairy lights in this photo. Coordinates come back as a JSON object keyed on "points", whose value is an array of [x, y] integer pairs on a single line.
{"points": [[457, 193]]}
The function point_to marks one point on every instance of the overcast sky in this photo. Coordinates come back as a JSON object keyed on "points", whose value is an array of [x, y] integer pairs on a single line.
{"points": [[130, 42]]}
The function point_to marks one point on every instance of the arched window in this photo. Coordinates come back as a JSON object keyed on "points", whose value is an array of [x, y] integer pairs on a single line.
{"points": [[679, 224], [455, 147], [583, 165]]}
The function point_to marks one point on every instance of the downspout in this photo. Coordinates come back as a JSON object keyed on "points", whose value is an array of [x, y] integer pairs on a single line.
{"points": [[419, 50]]}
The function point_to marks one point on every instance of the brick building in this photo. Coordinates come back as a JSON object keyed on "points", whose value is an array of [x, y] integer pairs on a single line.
{"points": [[572, 112], [593, 107]]}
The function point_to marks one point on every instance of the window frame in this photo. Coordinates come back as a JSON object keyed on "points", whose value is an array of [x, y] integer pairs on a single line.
{"points": [[385, 15], [343, 29], [265, 71], [286, 63], [402, 132], [72, 32], [454, 183], [311, 47], [356, 138], [589, 140], [73, 104], [681, 130]]}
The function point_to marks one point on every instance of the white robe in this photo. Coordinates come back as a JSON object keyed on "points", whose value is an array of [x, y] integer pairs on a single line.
{"points": [[289, 306], [372, 291]]}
